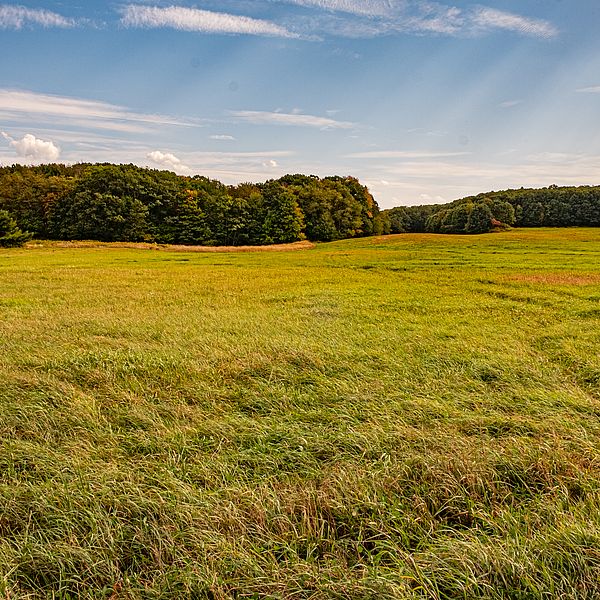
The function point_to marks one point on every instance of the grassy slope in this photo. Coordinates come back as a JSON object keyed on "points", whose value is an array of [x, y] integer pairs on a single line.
{"points": [[403, 417]]}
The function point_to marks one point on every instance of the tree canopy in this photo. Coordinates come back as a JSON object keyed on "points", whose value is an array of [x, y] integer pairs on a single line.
{"points": [[109, 202], [546, 207]]}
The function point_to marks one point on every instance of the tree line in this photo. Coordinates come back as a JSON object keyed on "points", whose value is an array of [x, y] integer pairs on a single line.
{"points": [[552, 206], [108, 202]]}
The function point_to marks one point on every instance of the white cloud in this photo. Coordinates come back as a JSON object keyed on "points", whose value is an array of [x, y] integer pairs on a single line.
{"points": [[233, 167], [215, 164], [370, 18], [346, 18], [33, 148], [203, 21], [490, 18], [222, 137], [168, 160], [595, 89], [356, 7], [434, 18], [23, 106], [510, 103], [296, 119], [17, 17]]}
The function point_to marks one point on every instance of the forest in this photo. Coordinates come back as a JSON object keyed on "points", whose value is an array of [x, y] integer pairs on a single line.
{"points": [[127, 203], [552, 206], [110, 203]]}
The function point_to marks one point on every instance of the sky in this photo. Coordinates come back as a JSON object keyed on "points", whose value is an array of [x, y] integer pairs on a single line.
{"points": [[422, 101]]}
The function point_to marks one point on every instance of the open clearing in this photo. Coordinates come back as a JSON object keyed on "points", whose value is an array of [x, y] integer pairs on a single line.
{"points": [[416, 416]]}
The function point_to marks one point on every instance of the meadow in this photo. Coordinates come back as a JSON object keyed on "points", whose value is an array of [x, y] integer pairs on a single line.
{"points": [[410, 416]]}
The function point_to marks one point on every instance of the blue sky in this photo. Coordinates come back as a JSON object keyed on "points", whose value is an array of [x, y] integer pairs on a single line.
{"points": [[422, 101]]}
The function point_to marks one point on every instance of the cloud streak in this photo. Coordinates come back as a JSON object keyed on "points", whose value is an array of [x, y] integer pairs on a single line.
{"points": [[370, 18], [595, 89], [23, 106], [342, 18], [202, 21], [356, 7], [490, 18], [17, 17], [406, 155], [509, 103], [289, 119]]}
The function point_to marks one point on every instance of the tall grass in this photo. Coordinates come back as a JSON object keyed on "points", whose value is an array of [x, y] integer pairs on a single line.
{"points": [[404, 417]]}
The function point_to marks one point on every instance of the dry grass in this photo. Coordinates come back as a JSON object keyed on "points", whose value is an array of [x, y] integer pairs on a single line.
{"points": [[304, 245], [558, 278]]}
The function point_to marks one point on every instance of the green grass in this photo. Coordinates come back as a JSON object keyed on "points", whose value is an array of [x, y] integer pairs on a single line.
{"points": [[405, 417]]}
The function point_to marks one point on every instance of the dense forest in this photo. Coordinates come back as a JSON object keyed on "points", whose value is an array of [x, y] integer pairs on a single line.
{"points": [[546, 207], [109, 202]]}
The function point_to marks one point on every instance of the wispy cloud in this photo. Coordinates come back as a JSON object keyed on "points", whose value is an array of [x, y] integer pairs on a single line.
{"points": [[356, 7], [33, 148], [23, 106], [595, 89], [535, 173], [468, 176], [434, 18], [222, 137], [490, 18], [406, 155], [510, 103], [17, 17], [203, 21], [294, 119], [369, 18]]}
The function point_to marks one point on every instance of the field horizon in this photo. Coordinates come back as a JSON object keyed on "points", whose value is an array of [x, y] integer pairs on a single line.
{"points": [[405, 416]]}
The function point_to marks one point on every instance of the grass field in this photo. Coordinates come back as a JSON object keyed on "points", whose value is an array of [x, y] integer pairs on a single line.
{"points": [[414, 416]]}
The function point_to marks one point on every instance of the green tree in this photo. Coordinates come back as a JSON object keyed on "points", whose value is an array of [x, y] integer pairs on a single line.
{"points": [[283, 219], [184, 222], [456, 219], [10, 234], [433, 224], [29, 197], [316, 202], [502, 211], [103, 217], [368, 210], [398, 218], [226, 215], [480, 219]]}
